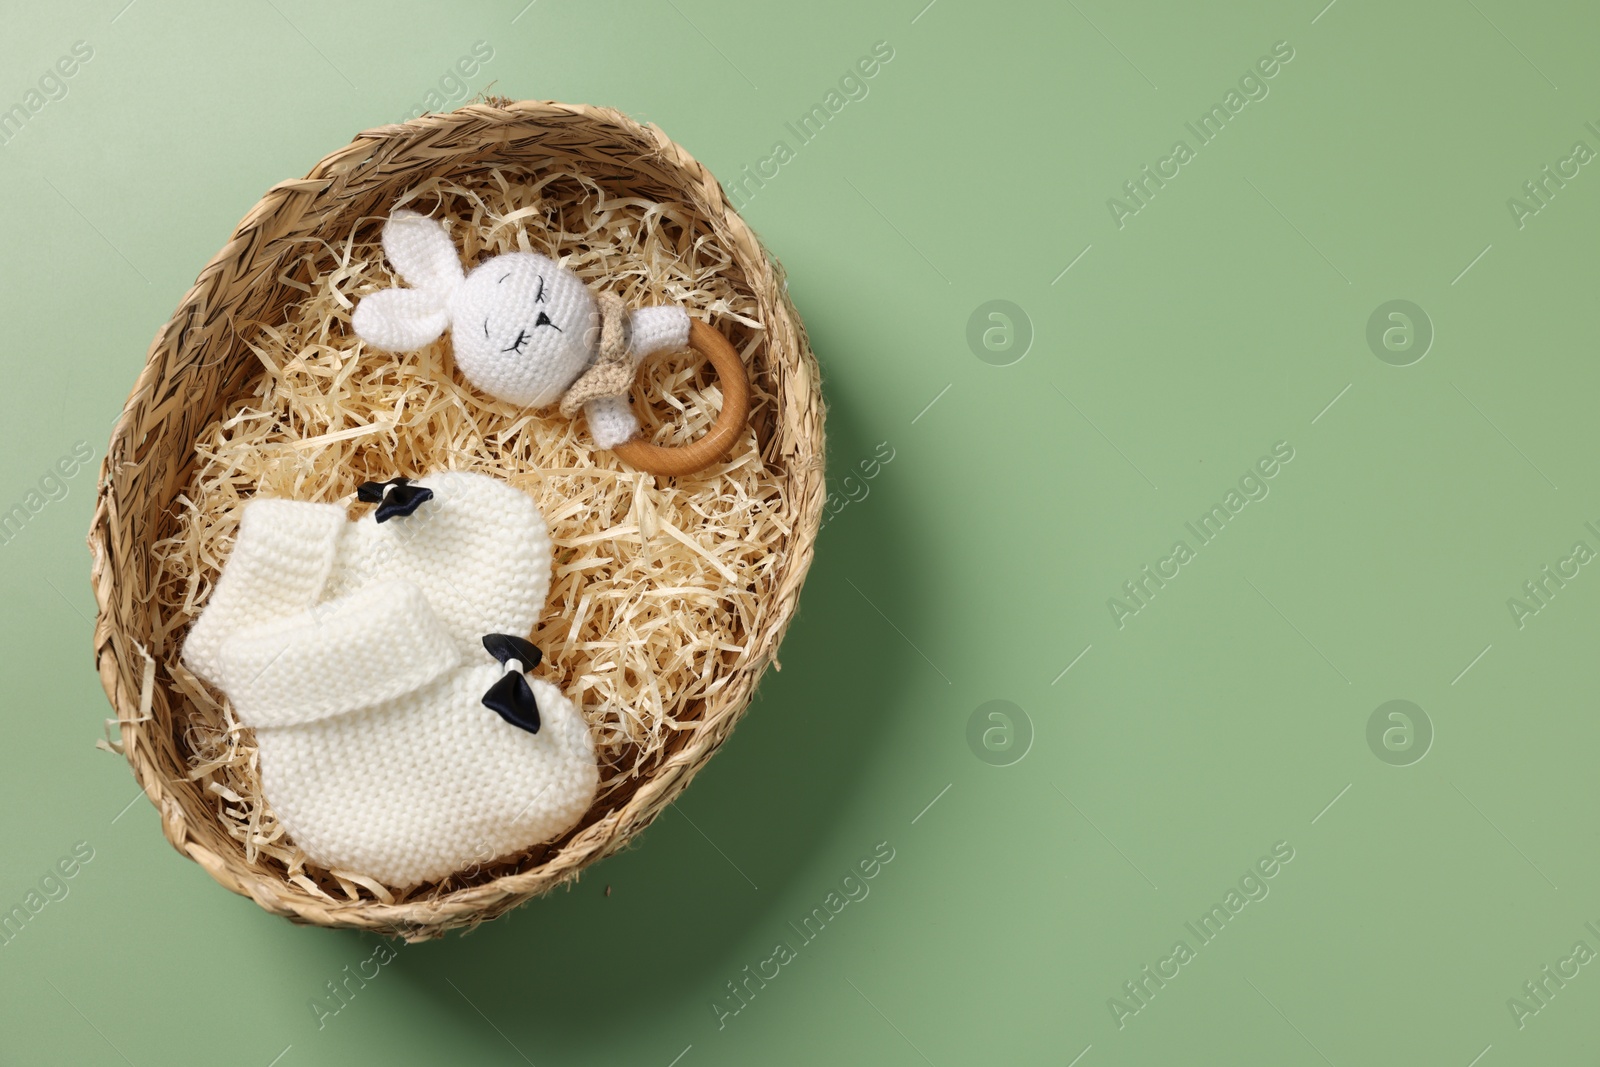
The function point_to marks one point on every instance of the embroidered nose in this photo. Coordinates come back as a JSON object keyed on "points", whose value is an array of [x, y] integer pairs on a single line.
{"points": [[397, 496], [544, 320]]}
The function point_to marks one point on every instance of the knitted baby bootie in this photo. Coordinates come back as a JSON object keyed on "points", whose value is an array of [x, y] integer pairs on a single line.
{"points": [[390, 742]]}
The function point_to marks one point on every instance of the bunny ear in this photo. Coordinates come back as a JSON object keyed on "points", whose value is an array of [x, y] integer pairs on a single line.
{"points": [[421, 251], [398, 320]]}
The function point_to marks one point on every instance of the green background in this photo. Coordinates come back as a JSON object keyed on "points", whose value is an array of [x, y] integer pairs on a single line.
{"points": [[1137, 787]]}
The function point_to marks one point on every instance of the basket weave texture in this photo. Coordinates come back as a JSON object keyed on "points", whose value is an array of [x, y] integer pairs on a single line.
{"points": [[198, 369]]}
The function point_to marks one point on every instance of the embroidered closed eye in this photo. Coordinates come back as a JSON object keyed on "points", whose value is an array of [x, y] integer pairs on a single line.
{"points": [[516, 346]]}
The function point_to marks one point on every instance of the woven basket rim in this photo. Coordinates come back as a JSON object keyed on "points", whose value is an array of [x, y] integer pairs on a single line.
{"points": [[374, 159]]}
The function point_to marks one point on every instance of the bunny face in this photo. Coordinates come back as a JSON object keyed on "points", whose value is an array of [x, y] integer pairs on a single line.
{"points": [[523, 327]]}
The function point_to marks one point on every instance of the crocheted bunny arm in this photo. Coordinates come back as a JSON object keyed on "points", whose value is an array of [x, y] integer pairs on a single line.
{"points": [[348, 653], [658, 329]]}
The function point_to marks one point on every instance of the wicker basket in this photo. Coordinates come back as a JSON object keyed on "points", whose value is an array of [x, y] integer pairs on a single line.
{"points": [[197, 369]]}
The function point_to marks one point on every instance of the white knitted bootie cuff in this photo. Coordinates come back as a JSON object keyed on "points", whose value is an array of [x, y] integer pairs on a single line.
{"points": [[280, 563], [346, 654]]}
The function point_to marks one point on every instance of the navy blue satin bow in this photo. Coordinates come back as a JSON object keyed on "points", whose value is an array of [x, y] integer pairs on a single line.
{"points": [[397, 496], [512, 697]]}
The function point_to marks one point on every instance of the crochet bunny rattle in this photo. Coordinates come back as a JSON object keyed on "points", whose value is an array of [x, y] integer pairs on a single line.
{"points": [[528, 331]]}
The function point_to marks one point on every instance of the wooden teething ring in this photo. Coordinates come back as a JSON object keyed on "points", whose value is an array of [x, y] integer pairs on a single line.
{"points": [[673, 461]]}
